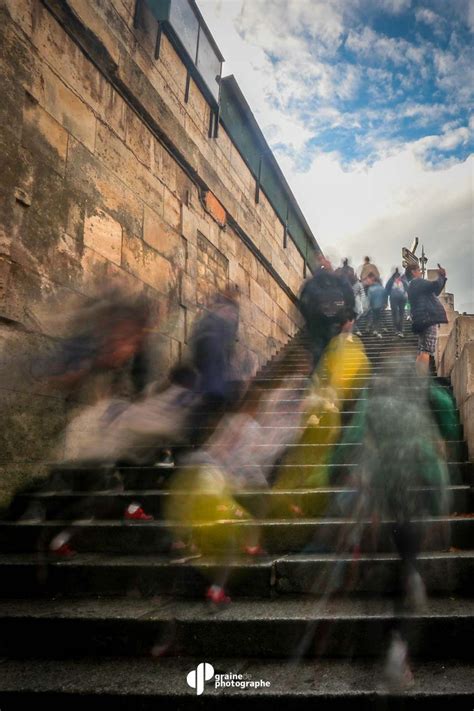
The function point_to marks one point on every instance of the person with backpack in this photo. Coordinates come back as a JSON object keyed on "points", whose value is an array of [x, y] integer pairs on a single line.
{"points": [[327, 304], [397, 289], [427, 312], [347, 272]]}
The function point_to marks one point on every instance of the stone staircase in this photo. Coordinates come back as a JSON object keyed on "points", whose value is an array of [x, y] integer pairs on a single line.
{"points": [[123, 623]]}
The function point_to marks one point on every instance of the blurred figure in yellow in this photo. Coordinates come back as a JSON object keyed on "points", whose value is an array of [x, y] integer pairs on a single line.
{"points": [[206, 519], [342, 367], [202, 503]]}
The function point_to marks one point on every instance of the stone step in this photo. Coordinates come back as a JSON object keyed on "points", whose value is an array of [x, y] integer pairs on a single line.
{"points": [[405, 351], [454, 432], [287, 369], [111, 504], [304, 380], [188, 576], [356, 386], [311, 453], [319, 574], [377, 345], [85, 478], [275, 535], [290, 627], [147, 684]]}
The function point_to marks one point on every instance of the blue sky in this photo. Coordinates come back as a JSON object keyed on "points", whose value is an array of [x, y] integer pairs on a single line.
{"points": [[366, 104]]}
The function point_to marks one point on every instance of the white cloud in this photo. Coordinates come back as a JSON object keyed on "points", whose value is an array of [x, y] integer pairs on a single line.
{"points": [[395, 6], [470, 15], [380, 209], [454, 71], [282, 53], [428, 17], [369, 44]]}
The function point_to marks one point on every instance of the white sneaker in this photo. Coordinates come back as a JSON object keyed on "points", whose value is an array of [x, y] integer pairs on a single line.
{"points": [[397, 671], [415, 597]]}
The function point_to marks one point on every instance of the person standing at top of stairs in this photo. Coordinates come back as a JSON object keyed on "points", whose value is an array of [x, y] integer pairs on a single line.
{"points": [[327, 303], [397, 289], [366, 269], [427, 312], [377, 301]]}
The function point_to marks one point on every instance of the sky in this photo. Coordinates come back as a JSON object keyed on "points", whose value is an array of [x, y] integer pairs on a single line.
{"points": [[365, 104]]}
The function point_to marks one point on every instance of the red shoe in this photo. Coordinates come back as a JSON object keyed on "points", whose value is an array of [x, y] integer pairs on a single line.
{"points": [[254, 550], [64, 551], [134, 512], [216, 594]]}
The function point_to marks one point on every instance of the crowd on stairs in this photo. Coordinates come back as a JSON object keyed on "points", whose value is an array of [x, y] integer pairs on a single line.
{"points": [[347, 427]]}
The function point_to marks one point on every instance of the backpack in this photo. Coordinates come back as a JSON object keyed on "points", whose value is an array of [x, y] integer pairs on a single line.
{"points": [[322, 295], [398, 287]]}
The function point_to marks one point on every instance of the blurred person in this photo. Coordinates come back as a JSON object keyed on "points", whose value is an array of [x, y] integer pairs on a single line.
{"points": [[101, 365], [367, 268], [377, 301], [427, 312], [327, 305], [405, 479], [343, 366], [247, 443], [212, 350], [396, 289], [118, 430], [208, 520], [107, 337], [347, 272], [360, 305]]}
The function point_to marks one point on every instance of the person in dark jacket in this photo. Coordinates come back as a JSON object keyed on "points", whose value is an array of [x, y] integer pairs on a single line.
{"points": [[397, 289], [327, 303], [426, 311], [212, 350], [347, 271]]}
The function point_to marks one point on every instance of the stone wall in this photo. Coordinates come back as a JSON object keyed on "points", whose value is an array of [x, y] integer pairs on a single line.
{"points": [[457, 363], [108, 175]]}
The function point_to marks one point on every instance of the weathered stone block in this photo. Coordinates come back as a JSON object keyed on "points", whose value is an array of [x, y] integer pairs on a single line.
{"points": [[172, 210], [160, 235], [43, 135], [169, 170], [104, 234], [462, 374], [88, 177], [215, 209], [138, 138], [170, 61], [87, 13], [65, 106], [188, 291], [467, 418], [462, 332], [146, 264], [29, 426]]}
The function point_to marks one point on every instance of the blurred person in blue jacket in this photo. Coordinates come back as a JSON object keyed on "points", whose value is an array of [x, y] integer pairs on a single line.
{"points": [[377, 302]]}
